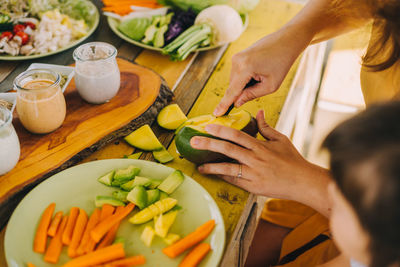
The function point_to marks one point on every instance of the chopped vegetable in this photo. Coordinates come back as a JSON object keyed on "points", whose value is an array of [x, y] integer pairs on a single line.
{"points": [[134, 28], [8, 35], [153, 196], [243, 6], [107, 178], [134, 156], [54, 250], [164, 222], [106, 211], [153, 210], [194, 257], [55, 223], [190, 240], [163, 156], [79, 229], [179, 23], [144, 138], [104, 226], [101, 200], [128, 262], [122, 176], [171, 238], [172, 182], [100, 256], [138, 196], [121, 195], [39, 243], [171, 117], [69, 228], [110, 236], [196, 6], [93, 221], [147, 236]]}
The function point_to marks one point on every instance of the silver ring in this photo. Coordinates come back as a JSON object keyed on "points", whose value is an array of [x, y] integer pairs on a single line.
{"points": [[240, 171]]}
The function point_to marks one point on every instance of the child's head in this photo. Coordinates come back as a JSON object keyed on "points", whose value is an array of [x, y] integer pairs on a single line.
{"points": [[365, 165]]}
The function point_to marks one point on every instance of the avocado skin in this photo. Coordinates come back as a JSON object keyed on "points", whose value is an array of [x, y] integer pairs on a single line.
{"points": [[197, 156]]}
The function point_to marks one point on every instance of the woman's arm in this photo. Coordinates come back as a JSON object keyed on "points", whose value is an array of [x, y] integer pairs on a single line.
{"points": [[269, 59]]}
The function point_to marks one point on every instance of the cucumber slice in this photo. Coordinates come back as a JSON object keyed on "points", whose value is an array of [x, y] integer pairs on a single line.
{"points": [[171, 117], [171, 182], [153, 196], [107, 178], [144, 138], [138, 196], [147, 235], [121, 195], [134, 156], [101, 200], [163, 156]]}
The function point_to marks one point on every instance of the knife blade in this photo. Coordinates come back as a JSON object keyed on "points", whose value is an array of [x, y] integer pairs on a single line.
{"points": [[249, 84]]}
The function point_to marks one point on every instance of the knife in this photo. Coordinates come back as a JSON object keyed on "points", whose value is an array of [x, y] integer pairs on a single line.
{"points": [[249, 84]]}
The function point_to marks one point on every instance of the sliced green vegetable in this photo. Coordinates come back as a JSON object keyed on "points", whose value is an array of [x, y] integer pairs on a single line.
{"points": [[122, 176], [171, 117], [138, 196], [107, 178], [154, 183], [134, 156], [143, 181], [128, 186], [172, 182], [159, 36], [153, 210], [153, 196], [163, 156], [121, 195], [101, 200], [149, 34], [147, 236], [144, 138], [134, 28]]}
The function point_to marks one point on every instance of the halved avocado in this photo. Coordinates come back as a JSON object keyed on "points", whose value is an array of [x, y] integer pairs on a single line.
{"points": [[171, 117], [241, 120]]}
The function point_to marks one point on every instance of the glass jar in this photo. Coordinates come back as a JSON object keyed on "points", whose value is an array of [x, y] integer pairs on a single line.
{"points": [[40, 102], [9, 143], [97, 76]]}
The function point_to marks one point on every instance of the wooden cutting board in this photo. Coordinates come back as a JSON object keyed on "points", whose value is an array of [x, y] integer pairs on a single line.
{"points": [[86, 128]]}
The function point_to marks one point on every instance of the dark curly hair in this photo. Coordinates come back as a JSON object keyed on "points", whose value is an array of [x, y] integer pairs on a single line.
{"points": [[365, 164]]}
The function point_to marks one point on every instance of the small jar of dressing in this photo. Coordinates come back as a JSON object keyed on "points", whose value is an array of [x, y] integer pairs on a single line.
{"points": [[97, 76], [40, 102], [9, 143]]}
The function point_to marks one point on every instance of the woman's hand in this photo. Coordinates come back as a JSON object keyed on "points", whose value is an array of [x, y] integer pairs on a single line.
{"points": [[267, 61], [272, 168]]}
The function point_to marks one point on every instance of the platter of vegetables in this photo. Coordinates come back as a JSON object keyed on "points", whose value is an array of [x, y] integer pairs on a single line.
{"points": [[177, 29], [37, 28], [119, 212]]}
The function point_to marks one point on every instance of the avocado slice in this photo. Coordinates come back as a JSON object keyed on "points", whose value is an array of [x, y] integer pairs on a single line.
{"points": [[164, 222], [107, 178], [163, 156], [154, 183], [122, 176], [138, 196], [144, 139], [101, 200], [163, 195], [172, 182], [241, 120], [171, 117], [121, 195], [153, 196], [134, 156]]}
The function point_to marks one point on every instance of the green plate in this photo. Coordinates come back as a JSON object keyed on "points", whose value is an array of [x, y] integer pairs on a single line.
{"points": [[78, 186], [92, 29], [113, 23]]}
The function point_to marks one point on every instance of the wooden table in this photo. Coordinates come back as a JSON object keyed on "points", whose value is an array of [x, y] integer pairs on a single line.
{"points": [[198, 84]]}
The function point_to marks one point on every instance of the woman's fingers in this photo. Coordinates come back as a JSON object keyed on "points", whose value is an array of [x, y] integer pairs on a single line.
{"points": [[265, 130], [236, 136], [223, 147], [236, 85], [252, 92], [227, 171]]}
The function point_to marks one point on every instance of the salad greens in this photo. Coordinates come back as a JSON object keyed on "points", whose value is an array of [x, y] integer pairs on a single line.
{"points": [[134, 28], [195, 5]]}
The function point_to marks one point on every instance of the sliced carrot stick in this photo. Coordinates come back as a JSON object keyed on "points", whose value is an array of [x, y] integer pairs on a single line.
{"points": [[110, 236], [39, 243], [30, 265], [67, 235], [127, 262], [190, 240], [104, 226], [55, 223], [77, 233], [194, 257], [106, 210], [100, 256], [54, 250], [93, 220]]}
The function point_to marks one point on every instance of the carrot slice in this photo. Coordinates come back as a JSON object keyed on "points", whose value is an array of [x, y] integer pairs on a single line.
{"points": [[104, 226], [39, 243], [106, 211], [194, 257], [127, 262], [67, 235], [54, 250], [100, 256], [30, 265], [110, 236], [77, 233], [93, 220], [190, 240], [55, 223]]}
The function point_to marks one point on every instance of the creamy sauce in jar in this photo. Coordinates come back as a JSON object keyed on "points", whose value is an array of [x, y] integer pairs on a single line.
{"points": [[41, 107]]}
